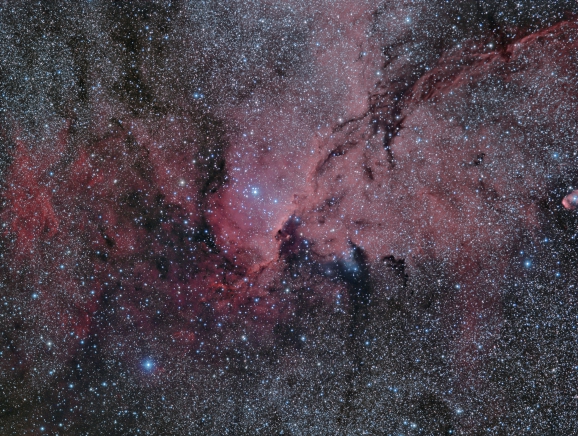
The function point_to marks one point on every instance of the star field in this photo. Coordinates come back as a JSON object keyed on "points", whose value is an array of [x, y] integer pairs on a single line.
{"points": [[300, 218]]}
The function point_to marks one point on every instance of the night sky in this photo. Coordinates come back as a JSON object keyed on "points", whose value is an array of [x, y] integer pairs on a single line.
{"points": [[297, 217]]}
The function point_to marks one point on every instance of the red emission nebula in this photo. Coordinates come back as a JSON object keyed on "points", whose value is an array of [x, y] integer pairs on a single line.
{"points": [[362, 221]]}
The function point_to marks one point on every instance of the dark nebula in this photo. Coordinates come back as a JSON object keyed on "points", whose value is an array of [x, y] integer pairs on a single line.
{"points": [[288, 217]]}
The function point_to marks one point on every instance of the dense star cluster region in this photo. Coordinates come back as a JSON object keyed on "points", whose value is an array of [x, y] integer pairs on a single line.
{"points": [[327, 217]]}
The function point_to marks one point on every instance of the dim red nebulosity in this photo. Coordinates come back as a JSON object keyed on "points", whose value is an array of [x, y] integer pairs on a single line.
{"points": [[452, 173]]}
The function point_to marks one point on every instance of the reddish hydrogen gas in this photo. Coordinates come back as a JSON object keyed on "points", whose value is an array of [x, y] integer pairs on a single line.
{"points": [[570, 202]]}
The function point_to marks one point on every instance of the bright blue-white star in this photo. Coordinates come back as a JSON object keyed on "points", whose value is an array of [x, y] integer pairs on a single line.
{"points": [[527, 263]]}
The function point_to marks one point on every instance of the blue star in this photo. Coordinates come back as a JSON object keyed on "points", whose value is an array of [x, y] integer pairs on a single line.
{"points": [[527, 263]]}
